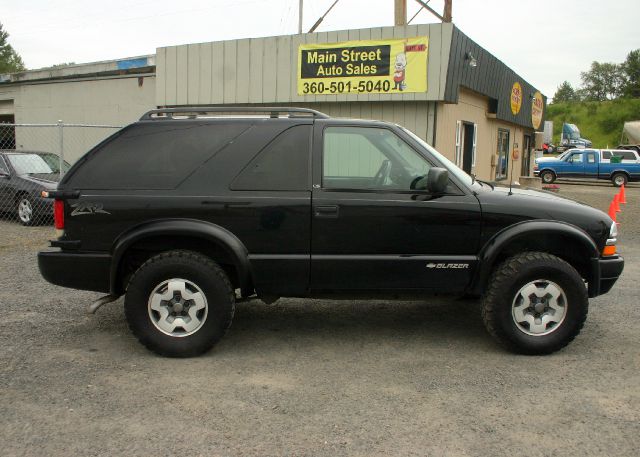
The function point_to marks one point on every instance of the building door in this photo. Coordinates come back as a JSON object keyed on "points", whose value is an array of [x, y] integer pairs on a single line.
{"points": [[7, 132], [371, 228], [526, 156], [502, 163], [466, 133]]}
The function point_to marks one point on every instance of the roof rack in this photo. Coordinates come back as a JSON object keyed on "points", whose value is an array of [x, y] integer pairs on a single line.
{"points": [[193, 112]]}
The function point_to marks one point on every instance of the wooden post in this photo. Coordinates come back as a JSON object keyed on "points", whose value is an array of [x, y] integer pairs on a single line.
{"points": [[447, 10], [400, 12]]}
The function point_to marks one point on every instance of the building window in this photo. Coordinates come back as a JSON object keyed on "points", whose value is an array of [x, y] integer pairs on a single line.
{"points": [[502, 163]]}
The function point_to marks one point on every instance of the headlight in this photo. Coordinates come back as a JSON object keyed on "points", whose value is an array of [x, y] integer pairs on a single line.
{"points": [[610, 246]]}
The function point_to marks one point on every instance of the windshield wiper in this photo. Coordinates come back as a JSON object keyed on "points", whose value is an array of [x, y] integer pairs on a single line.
{"points": [[487, 183]]}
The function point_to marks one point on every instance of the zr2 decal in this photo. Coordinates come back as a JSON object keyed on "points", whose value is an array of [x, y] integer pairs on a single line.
{"points": [[85, 208]]}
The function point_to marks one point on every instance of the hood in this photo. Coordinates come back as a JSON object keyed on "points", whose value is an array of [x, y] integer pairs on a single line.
{"points": [[47, 181], [505, 208], [547, 159]]}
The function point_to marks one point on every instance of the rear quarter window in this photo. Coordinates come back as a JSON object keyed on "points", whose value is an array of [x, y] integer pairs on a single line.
{"points": [[154, 155]]}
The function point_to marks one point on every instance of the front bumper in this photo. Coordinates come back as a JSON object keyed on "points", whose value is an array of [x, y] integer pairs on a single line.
{"points": [[605, 273], [76, 270]]}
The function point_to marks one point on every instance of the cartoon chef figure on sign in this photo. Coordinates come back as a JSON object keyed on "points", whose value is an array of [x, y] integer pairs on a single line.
{"points": [[399, 73]]}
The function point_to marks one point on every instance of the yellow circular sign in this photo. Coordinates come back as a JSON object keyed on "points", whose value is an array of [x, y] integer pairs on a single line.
{"points": [[537, 108], [516, 98]]}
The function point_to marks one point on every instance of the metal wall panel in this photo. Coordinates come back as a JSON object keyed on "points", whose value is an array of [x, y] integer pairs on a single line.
{"points": [[490, 77], [264, 70]]}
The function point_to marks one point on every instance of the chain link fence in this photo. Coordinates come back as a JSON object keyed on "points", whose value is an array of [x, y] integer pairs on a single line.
{"points": [[33, 158]]}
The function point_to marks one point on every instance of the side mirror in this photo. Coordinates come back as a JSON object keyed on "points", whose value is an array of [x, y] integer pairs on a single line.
{"points": [[437, 180]]}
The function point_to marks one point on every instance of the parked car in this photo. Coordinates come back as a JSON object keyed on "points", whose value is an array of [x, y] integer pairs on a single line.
{"points": [[53, 160], [587, 163], [184, 212], [23, 177]]}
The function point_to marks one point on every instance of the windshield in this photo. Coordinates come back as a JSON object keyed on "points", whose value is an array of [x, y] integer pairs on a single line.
{"points": [[54, 162], [452, 167], [25, 164], [571, 131]]}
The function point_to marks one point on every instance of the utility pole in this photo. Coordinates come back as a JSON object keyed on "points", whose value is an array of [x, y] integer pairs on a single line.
{"points": [[400, 11], [300, 17], [447, 11]]}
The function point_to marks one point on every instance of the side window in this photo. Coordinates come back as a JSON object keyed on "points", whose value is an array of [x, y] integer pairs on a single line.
{"points": [[282, 165], [369, 158], [591, 158], [606, 154], [154, 155], [576, 158], [628, 155]]}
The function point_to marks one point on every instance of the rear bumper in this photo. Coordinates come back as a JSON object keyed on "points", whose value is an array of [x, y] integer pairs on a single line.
{"points": [[606, 272], [84, 271]]}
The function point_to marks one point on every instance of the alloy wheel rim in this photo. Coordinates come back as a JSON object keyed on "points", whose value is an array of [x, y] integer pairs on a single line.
{"points": [[177, 307], [25, 211], [619, 180], [547, 177], [539, 307]]}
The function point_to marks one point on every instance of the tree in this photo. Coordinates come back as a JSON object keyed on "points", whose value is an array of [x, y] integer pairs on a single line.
{"points": [[10, 61], [631, 70], [603, 81], [565, 93]]}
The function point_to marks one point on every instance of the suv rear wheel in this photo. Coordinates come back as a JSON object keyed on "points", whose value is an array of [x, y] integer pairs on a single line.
{"points": [[179, 303], [536, 303]]}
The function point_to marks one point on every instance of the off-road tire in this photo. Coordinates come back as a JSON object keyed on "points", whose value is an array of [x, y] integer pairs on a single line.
{"points": [[551, 177], [619, 179], [507, 280], [191, 266]]}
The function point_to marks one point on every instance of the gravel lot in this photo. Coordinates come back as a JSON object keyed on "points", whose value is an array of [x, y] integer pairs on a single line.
{"points": [[315, 377]]}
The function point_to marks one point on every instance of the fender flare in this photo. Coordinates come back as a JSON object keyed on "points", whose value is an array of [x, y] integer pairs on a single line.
{"points": [[547, 169], [492, 248], [183, 227], [620, 170]]}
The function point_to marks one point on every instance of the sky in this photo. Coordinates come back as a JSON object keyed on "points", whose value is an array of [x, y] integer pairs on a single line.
{"points": [[544, 41]]}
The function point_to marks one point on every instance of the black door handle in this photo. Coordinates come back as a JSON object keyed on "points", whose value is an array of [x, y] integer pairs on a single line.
{"points": [[329, 211]]}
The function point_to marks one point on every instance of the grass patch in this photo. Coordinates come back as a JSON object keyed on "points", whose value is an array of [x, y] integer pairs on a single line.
{"points": [[600, 122]]}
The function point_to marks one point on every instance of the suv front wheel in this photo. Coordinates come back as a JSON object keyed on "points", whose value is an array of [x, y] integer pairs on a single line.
{"points": [[179, 303], [535, 303]]}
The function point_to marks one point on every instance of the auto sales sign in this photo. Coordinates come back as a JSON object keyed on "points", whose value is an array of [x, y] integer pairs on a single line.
{"points": [[363, 67]]}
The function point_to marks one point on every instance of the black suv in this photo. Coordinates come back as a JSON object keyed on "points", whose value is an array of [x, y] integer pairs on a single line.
{"points": [[190, 209]]}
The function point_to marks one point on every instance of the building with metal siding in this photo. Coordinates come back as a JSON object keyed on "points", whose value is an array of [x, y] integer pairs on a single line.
{"points": [[465, 111]]}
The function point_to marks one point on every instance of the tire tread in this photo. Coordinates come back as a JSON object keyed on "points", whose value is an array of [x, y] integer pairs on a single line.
{"points": [[500, 277], [200, 259]]}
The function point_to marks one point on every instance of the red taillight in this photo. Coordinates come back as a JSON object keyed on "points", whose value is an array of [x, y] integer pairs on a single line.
{"points": [[58, 214]]}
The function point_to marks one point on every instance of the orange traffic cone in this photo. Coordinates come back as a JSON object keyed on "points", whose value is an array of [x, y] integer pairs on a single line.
{"points": [[612, 211], [616, 203], [622, 198]]}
